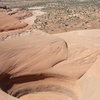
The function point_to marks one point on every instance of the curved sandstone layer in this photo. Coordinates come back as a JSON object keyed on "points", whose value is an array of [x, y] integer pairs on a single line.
{"points": [[90, 83], [10, 23], [20, 13], [81, 57], [23, 59], [30, 54], [45, 96], [5, 96], [39, 66], [83, 50]]}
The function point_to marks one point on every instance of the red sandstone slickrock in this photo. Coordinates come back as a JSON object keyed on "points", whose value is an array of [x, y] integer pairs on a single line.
{"points": [[10, 23], [40, 66]]}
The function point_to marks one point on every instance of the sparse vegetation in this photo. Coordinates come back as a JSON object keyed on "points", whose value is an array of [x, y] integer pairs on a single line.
{"points": [[62, 15], [66, 16]]}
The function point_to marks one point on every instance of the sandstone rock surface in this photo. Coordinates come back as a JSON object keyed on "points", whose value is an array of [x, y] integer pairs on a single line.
{"points": [[41, 66], [45, 96], [83, 50], [10, 23], [20, 13], [25, 58], [90, 82], [82, 65]]}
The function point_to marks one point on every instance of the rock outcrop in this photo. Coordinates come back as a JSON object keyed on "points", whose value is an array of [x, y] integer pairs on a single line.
{"points": [[10, 23], [40, 66], [24, 59], [90, 82], [83, 50], [20, 13]]}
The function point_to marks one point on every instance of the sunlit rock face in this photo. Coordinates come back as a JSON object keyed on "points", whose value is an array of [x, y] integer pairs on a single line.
{"points": [[89, 83], [42, 66], [10, 23], [84, 61], [24, 60], [83, 50]]}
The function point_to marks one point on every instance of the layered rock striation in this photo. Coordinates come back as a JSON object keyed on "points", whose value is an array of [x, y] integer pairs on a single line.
{"points": [[40, 66]]}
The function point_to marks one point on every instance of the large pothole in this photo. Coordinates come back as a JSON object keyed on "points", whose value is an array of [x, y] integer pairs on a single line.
{"points": [[41, 87]]}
